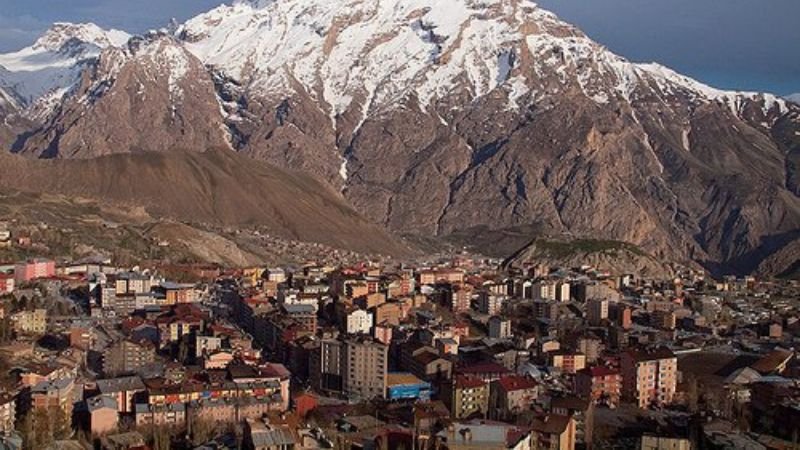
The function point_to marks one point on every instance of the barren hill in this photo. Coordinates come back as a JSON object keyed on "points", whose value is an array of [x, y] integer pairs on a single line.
{"points": [[213, 187]]}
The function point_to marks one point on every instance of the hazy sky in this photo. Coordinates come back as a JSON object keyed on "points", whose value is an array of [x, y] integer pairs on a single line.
{"points": [[742, 44]]}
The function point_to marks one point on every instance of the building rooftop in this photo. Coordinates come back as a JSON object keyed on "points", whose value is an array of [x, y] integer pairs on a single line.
{"points": [[111, 385], [517, 383], [101, 402], [402, 379]]}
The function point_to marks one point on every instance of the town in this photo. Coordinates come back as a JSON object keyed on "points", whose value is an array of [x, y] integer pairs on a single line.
{"points": [[458, 353]]}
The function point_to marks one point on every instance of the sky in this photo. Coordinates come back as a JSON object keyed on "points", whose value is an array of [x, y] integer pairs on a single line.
{"points": [[732, 44]]}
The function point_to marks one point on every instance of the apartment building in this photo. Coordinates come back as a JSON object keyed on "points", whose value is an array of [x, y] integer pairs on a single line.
{"points": [[127, 356], [8, 412], [511, 395], [466, 396], [358, 321], [30, 322], [597, 311], [568, 362], [601, 385], [490, 304], [649, 377], [57, 394], [499, 327], [34, 269], [355, 366], [366, 363]]}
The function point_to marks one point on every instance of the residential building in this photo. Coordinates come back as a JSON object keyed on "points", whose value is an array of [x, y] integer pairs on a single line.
{"points": [[499, 327], [388, 313], [34, 269], [123, 390], [601, 385], [545, 290], [596, 311], [425, 362], [568, 362], [664, 320], [30, 322], [133, 283], [8, 412], [466, 397], [326, 366], [511, 395], [172, 414], [650, 442], [358, 321], [490, 304], [478, 434], [554, 432], [366, 363], [451, 276], [260, 435], [103, 414], [6, 283], [649, 377], [58, 394], [127, 356], [461, 297]]}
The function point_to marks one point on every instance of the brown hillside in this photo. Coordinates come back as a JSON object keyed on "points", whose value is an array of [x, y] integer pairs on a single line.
{"points": [[214, 187]]}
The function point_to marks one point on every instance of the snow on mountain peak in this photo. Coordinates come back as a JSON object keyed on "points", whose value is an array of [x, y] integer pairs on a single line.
{"points": [[380, 51], [367, 55], [61, 33], [45, 71]]}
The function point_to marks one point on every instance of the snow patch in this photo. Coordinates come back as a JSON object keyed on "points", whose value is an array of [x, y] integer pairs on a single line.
{"points": [[343, 169]]}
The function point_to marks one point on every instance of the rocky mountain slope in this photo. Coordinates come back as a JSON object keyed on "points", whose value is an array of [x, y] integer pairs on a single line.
{"points": [[438, 117]]}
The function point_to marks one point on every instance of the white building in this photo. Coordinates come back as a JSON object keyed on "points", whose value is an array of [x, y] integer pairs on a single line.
{"points": [[359, 322]]}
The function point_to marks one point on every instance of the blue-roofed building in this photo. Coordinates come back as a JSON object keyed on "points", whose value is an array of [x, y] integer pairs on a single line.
{"points": [[406, 386]]}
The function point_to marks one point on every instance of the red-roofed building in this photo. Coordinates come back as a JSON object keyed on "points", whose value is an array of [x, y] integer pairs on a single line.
{"points": [[487, 371], [305, 403], [600, 384], [511, 395]]}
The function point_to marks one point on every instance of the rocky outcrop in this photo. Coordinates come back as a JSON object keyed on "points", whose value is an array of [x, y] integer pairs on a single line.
{"points": [[151, 95], [612, 257]]}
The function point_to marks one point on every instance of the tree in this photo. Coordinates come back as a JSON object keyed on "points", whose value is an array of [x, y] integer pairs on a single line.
{"points": [[203, 431], [6, 330], [36, 429], [692, 395]]}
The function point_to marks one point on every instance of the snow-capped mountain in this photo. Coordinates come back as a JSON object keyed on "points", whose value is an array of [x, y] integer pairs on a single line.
{"points": [[794, 98], [42, 73], [449, 116], [381, 52]]}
